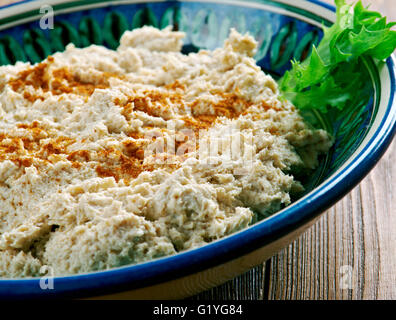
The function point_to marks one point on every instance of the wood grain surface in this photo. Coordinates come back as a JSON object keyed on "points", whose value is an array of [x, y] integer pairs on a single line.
{"points": [[350, 253]]}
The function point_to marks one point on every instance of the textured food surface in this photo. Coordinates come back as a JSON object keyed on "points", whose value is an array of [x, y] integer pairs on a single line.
{"points": [[106, 156]]}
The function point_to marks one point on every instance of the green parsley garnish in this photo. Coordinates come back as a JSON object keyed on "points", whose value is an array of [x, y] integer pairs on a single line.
{"points": [[332, 75]]}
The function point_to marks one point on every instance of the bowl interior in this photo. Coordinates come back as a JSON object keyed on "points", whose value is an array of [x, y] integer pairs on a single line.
{"points": [[281, 37]]}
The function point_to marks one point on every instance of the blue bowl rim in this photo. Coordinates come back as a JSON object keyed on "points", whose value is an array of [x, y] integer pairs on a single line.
{"points": [[231, 247]]}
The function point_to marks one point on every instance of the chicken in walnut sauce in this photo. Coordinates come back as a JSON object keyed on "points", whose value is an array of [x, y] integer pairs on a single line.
{"points": [[81, 188]]}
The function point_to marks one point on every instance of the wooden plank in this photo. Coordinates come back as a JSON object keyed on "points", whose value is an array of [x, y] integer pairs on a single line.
{"points": [[249, 286]]}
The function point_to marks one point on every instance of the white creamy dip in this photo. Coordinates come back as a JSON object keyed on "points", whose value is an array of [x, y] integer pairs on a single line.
{"points": [[80, 189]]}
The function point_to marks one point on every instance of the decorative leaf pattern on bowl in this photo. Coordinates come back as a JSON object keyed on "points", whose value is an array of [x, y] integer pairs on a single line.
{"points": [[144, 17], [115, 24], [63, 34], [90, 32], [10, 51], [36, 45]]}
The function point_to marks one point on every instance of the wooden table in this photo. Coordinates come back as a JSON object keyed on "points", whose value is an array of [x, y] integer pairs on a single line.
{"points": [[356, 237], [349, 254]]}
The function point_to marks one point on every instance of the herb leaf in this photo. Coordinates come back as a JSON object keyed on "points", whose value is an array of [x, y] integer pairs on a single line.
{"points": [[332, 75]]}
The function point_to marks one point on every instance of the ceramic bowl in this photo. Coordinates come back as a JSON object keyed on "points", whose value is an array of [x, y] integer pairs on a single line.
{"points": [[285, 29]]}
